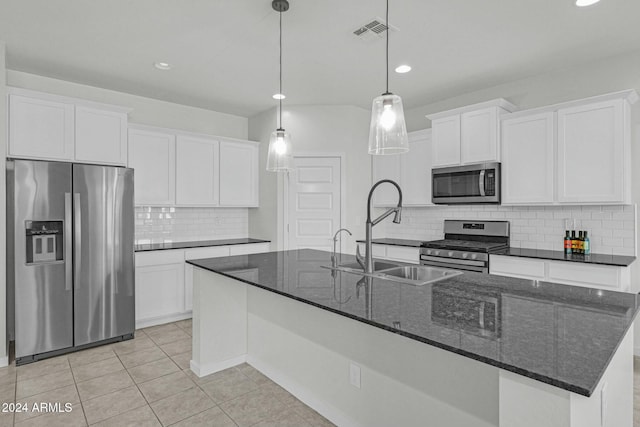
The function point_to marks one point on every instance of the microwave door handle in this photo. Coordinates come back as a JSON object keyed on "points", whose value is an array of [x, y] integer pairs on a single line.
{"points": [[481, 183]]}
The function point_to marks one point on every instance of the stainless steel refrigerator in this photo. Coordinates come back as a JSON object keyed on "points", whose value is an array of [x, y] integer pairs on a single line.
{"points": [[70, 256]]}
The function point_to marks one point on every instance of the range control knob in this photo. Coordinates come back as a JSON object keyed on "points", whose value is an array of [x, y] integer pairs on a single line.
{"points": [[450, 254], [465, 255], [474, 256], [436, 253]]}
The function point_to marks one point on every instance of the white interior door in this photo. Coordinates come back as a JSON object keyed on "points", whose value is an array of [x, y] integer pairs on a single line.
{"points": [[314, 202]]}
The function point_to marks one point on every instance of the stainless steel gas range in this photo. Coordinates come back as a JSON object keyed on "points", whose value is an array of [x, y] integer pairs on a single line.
{"points": [[466, 245]]}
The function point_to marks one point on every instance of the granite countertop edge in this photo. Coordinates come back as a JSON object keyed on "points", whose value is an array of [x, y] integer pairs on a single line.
{"points": [[145, 247], [495, 363]]}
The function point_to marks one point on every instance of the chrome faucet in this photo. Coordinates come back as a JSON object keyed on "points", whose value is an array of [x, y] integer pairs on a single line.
{"points": [[334, 259], [367, 262]]}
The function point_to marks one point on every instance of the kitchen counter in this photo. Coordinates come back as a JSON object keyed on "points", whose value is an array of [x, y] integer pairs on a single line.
{"points": [[395, 242], [195, 244], [602, 259], [578, 328]]}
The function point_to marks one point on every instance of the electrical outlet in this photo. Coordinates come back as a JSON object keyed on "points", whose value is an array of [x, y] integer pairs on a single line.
{"points": [[354, 375], [603, 405]]}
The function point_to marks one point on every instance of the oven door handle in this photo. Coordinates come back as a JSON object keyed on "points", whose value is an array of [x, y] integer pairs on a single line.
{"points": [[481, 183], [452, 261]]}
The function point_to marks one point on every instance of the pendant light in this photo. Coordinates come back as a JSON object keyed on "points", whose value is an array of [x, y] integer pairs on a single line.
{"points": [[388, 131], [279, 158]]}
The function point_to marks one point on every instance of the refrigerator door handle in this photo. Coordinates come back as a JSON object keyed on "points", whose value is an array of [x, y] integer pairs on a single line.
{"points": [[77, 221], [68, 243]]}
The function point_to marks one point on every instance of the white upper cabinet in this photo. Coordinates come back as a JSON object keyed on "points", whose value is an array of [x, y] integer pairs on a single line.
{"points": [[197, 162], [446, 137], [479, 136], [101, 136], [578, 152], [238, 173], [412, 171], [468, 134], [528, 153], [591, 152], [51, 127], [40, 129], [152, 156]]}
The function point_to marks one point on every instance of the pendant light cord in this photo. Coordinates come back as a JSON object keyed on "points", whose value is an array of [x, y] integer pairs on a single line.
{"points": [[280, 100], [388, 29]]}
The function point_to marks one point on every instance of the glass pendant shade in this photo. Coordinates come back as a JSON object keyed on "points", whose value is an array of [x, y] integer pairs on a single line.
{"points": [[388, 131], [279, 158]]}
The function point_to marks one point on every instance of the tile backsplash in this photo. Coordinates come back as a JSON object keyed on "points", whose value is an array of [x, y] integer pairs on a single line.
{"points": [[611, 228], [168, 224]]}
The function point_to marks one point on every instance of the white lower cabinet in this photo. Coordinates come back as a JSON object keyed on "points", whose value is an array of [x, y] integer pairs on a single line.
{"points": [[159, 287], [406, 254], [609, 277], [164, 282]]}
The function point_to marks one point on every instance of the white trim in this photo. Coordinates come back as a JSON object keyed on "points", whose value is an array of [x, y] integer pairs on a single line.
{"points": [[499, 102], [4, 361], [212, 368], [145, 323], [180, 132], [303, 394], [67, 100], [283, 216]]}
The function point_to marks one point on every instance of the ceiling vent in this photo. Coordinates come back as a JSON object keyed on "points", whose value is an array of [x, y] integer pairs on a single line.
{"points": [[373, 29]]}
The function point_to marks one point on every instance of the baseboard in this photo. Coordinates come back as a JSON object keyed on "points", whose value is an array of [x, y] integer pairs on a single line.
{"points": [[4, 361], [155, 321], [305, 395], [211, 368]]}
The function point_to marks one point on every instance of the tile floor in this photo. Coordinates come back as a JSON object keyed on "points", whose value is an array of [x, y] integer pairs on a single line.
{"points": [[147, 382]]}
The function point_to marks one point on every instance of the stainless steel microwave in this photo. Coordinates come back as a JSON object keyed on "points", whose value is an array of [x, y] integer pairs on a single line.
{"points": [[468, 184]]}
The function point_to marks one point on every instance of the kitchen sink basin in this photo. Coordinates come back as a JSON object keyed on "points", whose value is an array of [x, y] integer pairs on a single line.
{"points": [[377, 266], [418, 274]]}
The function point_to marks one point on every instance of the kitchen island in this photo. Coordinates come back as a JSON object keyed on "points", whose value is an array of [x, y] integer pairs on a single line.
{"points": [[472, 350]]}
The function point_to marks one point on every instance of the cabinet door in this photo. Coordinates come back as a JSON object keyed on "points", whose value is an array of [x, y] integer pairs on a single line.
{"points": [[254, 248], [416, 171], [197, 171], [238, 174], [403, 254], [152, 155], [591, 153], [528, 164], [590, 276], [101, 136], [479, 136], [524, 268], [386, 167], [446, 141], [40, 129], [159, 291]]}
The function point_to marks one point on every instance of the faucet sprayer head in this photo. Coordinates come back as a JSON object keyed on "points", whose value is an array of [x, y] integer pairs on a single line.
{"points": [[398, 216]]}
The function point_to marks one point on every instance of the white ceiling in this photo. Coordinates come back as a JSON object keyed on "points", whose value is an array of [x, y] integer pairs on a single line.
{"points": [[224, 53]]}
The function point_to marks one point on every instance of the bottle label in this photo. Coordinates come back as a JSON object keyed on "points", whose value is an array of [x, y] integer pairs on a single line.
{"points": [[567, 244]]}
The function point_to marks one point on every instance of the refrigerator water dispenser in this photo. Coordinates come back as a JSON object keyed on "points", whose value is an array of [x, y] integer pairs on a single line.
{"points": [[44, 241]]}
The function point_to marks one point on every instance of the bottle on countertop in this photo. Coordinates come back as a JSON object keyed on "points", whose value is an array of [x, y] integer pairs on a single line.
{"points": [[580, 243], [574, 242], [567, 243], [587, 244]]}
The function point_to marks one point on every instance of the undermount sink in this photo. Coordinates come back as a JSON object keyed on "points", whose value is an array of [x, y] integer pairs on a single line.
{"points": [[377, 266], [418, 274]]}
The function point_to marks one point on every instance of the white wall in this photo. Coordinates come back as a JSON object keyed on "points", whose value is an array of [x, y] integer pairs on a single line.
{"points": [[316, 130], [3, 197], [589, 79], [146, 111]]}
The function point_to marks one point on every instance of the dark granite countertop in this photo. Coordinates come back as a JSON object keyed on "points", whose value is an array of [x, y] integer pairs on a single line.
{"points": [[616, 260], [195, 244], [558, 334], [395, 242]]}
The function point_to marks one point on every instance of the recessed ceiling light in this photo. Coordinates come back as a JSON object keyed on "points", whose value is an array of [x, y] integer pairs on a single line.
{"points": [[279, 96], [162, 66], [583, 3], [403, 69]]}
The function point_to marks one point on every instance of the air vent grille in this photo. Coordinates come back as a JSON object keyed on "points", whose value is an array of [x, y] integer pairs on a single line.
{"points": [[374, 28]]}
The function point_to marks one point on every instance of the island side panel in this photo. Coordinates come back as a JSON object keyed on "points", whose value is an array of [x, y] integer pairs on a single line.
{"points": [[528, 403], [219, 322], [308, 351]]}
